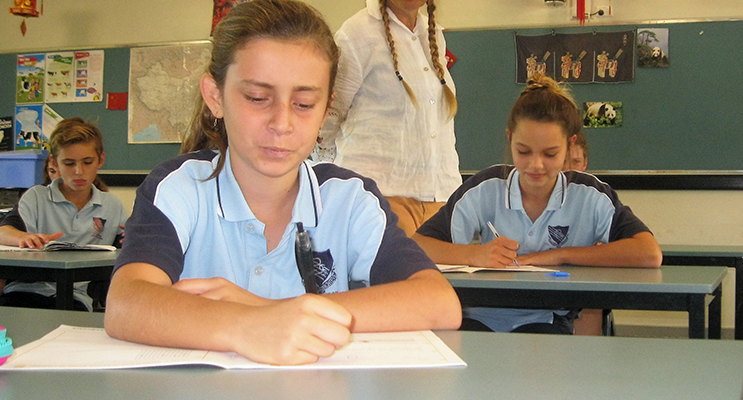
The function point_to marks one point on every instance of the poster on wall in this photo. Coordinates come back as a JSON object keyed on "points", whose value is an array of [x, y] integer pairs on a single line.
{"points": [[59, 77], [602, 114], [30, 79], [614, 56], [534, 55], [6, 133], [28, 124], [49, 120], [222, 8], [652, 47], [574, 54], [33, 126], [577, 58], [89, 75]]}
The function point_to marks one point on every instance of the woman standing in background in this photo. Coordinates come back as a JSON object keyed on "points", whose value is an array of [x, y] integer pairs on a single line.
{"points": [[392, 119]]}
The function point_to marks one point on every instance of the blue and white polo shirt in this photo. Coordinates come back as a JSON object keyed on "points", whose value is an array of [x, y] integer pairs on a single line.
{"points": [[194, 227], [581, 211], [44, 209]]}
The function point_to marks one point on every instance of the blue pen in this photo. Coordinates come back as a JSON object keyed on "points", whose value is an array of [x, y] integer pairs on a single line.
{"points": [[558, 273], [495, 233]]}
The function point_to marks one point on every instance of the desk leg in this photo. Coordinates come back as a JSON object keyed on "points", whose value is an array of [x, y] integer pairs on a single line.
{"points": [[715, 315], [696, 316], [738, 298], [65, 288]]}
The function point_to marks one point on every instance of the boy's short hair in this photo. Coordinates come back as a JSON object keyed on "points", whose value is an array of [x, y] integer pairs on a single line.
{"points": [[75, 130]]}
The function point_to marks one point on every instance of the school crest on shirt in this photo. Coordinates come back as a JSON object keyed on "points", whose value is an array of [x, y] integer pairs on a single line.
{"points": [[98, 225], [558, 235], [322, 263]]}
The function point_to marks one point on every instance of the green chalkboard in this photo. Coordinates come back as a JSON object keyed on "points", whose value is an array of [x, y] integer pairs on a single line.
{"points": [[684, 117]]}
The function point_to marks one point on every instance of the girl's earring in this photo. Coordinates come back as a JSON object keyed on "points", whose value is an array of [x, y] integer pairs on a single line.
{"points": [[216, 123]]}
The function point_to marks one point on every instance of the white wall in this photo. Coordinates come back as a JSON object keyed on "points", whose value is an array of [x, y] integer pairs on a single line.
{"points": [[688, 217], [676, 217], [107, 23]]}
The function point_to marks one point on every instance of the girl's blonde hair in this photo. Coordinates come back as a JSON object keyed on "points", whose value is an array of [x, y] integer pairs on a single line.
{"points": [[451, 99], [287, 20], [544, 100]]}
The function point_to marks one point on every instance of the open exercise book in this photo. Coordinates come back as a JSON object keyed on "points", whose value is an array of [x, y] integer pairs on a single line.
{"points": [[58, 246], [466, 268], [70, 347]]}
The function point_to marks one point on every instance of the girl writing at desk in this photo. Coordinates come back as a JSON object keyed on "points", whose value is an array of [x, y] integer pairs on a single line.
{"points": [[210, 262], [544, 216]]}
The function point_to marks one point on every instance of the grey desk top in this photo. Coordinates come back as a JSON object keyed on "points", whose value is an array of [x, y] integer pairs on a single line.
{"points": [[667, 279], [58, 259], [701, 250], [500, 365]]}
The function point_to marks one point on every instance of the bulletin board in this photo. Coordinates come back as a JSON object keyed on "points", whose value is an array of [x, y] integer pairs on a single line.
{"points": [[684, 117]]}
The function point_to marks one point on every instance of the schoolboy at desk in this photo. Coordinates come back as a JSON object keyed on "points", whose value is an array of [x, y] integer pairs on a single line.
{"points": [[71, 208]]}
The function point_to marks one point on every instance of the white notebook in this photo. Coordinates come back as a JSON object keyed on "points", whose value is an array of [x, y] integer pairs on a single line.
{"points": [[59, 246], [468, 269]]}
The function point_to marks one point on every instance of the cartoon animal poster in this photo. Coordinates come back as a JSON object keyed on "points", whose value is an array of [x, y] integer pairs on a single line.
{"points": [[30, 79], [602, 114], [652, 47], [28, 127]]}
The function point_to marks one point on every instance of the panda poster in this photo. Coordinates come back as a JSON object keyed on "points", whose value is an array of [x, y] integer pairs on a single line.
{"points": [[602, 114], [652, 47]]}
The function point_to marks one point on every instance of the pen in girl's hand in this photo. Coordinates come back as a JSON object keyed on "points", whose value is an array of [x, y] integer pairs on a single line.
{"points": [[303, 255], [495, 233]]}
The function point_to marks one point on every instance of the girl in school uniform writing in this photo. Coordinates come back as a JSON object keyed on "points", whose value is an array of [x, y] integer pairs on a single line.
{"points": [[210, 261], [544, 216], [392, 119]]}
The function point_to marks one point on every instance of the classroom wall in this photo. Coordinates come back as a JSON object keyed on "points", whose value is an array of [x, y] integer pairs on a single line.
{"points": [[108, 23], [676, 217]]}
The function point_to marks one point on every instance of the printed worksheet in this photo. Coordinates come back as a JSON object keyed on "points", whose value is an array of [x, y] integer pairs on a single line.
{"points": [[70, 347], [468, 269]]}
